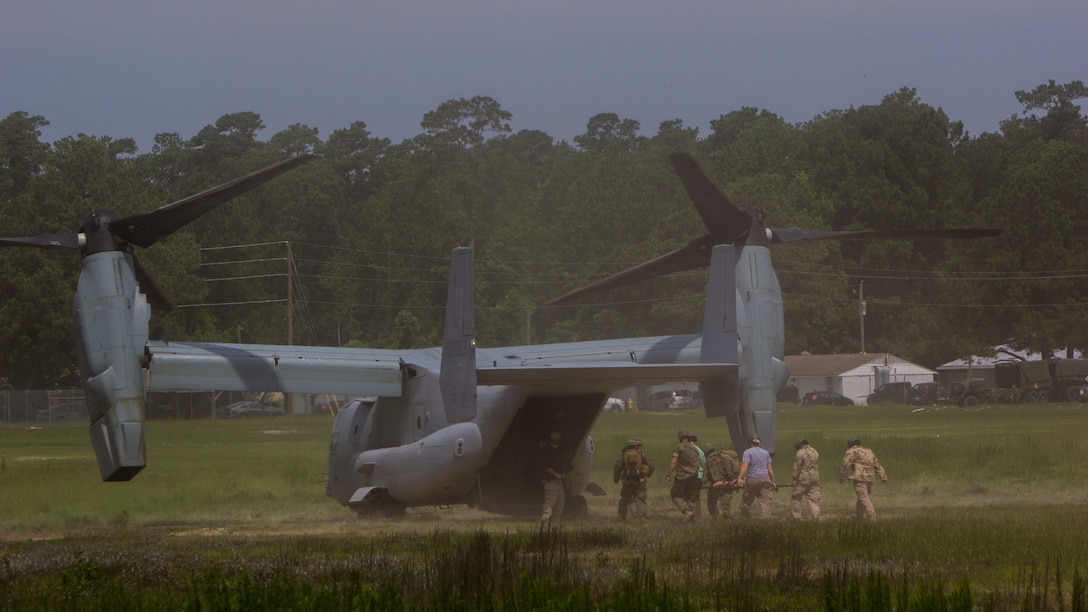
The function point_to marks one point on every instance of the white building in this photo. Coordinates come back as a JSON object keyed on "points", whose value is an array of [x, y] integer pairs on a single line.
{"points": [[853, 375]]}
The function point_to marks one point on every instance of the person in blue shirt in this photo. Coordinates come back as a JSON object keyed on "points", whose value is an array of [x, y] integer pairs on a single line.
{"points": [[757, 479]]}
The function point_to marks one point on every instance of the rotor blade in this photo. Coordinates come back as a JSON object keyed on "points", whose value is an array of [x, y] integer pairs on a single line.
{"points": [[145, 229], [156, 297], [695, 255], [727, 222], [44, 241], [793, 234]]}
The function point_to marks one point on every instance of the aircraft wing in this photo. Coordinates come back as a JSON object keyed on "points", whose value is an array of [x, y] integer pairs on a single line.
{"points": [[183, 366], [574, 378], [600, 365], [572, 367]]}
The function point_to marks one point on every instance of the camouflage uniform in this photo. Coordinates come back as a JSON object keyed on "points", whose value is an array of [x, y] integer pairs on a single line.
{"points": [[551, 474], [805, 480], [697, 495], [722, 469], [633, 484], [685, 484], [861, 466]]}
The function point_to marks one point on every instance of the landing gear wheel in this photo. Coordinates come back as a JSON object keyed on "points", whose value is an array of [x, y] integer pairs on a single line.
{"points": [[380, 506], [577, 507]]}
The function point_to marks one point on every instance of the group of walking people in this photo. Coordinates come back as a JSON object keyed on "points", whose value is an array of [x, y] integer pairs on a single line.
{"points": [[721, 472]]}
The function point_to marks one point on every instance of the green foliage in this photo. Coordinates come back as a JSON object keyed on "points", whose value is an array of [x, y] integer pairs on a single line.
{"points": [[371, 224], [22, 154], [607, 133]]}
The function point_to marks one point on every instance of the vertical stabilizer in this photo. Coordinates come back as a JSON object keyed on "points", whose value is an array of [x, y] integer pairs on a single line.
{"points": [[458, 376], [721, 398]]}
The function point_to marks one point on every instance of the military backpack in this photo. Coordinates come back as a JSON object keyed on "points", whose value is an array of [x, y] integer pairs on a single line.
{"points": [[632, 464], [730, 464]]}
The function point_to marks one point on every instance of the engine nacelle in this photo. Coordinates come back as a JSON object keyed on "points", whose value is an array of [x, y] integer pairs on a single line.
{"points": [[111, 319]]}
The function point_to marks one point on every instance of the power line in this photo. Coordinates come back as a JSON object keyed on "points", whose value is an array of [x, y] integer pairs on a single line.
{"points": [[273, 301], [528, 280], [834, 270], [235, 278]]}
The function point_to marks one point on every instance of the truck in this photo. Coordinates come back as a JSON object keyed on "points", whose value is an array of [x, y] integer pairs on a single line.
{"points": [[1057, 380]]}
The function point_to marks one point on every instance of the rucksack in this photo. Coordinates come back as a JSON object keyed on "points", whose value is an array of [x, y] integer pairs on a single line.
{"points": [[730, 464], [632, 463]]}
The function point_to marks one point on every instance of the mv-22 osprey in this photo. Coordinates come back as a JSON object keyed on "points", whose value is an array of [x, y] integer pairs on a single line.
{"points": [[451, 424]]}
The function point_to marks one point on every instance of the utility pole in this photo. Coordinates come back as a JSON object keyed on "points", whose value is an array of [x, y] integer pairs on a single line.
{"points": [[290, 298], [861, 312]]}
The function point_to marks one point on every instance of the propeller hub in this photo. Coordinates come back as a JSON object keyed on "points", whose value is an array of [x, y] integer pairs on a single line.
{"points": [[96, 234]]}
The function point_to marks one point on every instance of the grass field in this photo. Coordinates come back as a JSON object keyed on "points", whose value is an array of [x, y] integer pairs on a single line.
{"points": [[986, 509]]}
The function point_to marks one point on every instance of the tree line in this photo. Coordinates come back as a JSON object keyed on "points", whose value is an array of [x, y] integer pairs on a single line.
{"points": [[360, 237]]}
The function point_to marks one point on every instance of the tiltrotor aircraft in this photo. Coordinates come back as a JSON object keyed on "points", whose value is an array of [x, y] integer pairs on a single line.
{"points": [[451, 424], [760, 324]]}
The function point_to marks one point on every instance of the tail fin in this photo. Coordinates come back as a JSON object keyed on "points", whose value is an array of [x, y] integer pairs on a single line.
{"points": [[458, 376], [719, 343]]}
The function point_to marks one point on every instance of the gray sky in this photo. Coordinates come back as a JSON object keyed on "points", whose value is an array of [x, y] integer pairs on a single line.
{"points": [[135, 68]]}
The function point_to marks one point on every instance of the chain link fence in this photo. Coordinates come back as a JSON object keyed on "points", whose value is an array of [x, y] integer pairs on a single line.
{"points": [[64, 405], [42, 405]]}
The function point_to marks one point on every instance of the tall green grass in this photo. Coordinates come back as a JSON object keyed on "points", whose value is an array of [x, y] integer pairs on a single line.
{"points": [[836, 565], [986, 510]]}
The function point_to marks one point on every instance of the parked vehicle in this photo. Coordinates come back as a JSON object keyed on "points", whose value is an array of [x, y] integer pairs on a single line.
{"points": [[70, 411], [1056, 380], [925, 394], [890, 392], [615, 404], [1080, 394], [679, 399], [790, 394], [825, 398], [972, 394], [249, 409], [327, 403]]}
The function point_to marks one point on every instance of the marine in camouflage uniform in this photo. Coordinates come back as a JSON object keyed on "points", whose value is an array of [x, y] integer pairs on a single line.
{"points": [[722, 469], [550, 469], [697, 497], [861, 466], [633, 483], [683, 475], [805, 480]]}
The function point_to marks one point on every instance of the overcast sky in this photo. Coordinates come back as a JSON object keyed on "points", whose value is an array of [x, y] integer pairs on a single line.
{"points": [[135, 68]]}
